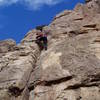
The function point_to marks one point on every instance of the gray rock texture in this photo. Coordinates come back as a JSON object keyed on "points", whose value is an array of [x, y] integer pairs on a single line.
{"points": [[68, 70]]}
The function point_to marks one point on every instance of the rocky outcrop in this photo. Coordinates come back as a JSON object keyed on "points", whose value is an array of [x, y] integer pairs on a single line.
{"points": [[16, 67], [7, 45], [94, 4], [68, 70]]}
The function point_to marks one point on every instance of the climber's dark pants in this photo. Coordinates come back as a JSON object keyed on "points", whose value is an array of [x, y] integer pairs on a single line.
{"points": [[45, 45], [42, 42]]}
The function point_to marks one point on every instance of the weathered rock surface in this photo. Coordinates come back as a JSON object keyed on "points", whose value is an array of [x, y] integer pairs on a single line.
{"points": [[68, 70], [7, 45], [16, 67]]}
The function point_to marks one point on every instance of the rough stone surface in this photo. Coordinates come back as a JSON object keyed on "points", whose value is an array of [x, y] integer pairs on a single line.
{"points": [[7, 45], [68, 70], [16, 67]]}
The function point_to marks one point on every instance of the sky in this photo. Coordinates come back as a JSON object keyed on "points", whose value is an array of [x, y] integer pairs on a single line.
{"points": [[17, 17]]}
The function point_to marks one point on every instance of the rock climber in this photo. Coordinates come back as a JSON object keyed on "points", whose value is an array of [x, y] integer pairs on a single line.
{"points": [[41, 40]]}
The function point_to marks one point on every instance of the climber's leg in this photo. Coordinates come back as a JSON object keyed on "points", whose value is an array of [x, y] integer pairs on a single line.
{"points": [[41, 45], [45, 45]]}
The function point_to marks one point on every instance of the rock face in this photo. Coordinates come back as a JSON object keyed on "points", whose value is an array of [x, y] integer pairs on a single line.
{"points": [[7, 45], [16, 67], [95, 4], [68, 70]]}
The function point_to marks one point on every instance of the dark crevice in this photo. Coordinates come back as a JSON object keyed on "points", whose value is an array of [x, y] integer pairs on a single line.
{"points": [[90, 26], [77, 86], [65, 33], [3, 67], [15, 91], [74, 33], [98, 40], [57, 17], [96, 79], [79, 98], [78, 19], [31, 87], [53, 82]]}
